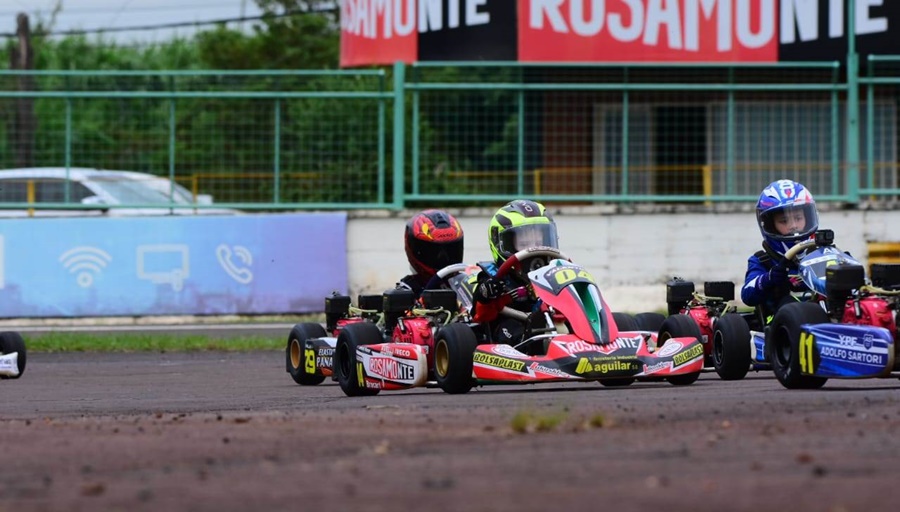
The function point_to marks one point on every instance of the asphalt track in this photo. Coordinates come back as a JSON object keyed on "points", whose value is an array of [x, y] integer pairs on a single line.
{"points": [[231, 431]]}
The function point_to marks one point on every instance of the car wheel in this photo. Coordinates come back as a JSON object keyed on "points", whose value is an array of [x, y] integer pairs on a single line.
{"points": [[299, 364], [679, 326], [12, 342], [348, 369], [731, 347], [783, 344], [454, 348]]}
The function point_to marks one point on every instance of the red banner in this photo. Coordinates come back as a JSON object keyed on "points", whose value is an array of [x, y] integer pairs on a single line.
{"points": [[647, 30], [378, 32]]}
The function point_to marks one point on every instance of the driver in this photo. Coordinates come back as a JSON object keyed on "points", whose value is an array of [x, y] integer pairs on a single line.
{"points": [[433, 239], [519, 225], [786, 214]]}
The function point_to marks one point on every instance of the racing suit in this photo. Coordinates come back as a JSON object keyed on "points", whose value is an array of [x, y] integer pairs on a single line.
{"points": [[503, 329], [767, 289]]}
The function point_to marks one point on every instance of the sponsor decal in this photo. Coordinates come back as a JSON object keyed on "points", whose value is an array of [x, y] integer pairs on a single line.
{"points": [[499, 362], [669, 347], [657, 367], [586, 366], [324, 362], [391, 369], [868, 341], [635, 30], [398, 351], [548, 371], [688, 355], [575, 347], [506, 350], [326, 351]]}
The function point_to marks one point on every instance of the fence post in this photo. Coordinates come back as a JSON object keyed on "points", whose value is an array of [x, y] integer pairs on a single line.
{"points": [[399, 133], [852, 107]]}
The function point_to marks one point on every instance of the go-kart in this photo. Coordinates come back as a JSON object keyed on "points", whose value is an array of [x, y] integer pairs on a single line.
{"points": [[570, 335], [847, 326], [731, 348], [12, 355], [378, 322]]}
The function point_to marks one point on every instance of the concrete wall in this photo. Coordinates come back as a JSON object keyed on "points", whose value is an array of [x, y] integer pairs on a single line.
{"points": [[631, 255]]}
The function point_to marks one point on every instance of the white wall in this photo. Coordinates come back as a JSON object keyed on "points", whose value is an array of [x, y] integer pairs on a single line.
{"points": [[631, 255]]}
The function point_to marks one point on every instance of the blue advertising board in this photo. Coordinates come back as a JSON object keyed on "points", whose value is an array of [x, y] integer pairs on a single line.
{"points": [[173, 265]]}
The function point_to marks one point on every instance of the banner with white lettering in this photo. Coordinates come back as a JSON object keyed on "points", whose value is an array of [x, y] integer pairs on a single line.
{"points": [[385, 31]]}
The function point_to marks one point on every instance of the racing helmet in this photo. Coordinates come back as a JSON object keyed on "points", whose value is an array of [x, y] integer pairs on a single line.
{"points": [[520, 224], [433, 239], [786, 214]]}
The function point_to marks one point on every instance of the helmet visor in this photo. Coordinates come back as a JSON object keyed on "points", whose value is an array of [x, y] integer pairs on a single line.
{"points": [[789, 222], [436, 255], [519, 238]]}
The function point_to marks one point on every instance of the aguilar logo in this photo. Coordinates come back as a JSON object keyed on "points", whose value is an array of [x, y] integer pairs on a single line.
{"points": [[585, 366]]}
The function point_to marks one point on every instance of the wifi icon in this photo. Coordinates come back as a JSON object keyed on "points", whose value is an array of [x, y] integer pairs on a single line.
{"points": [[86, 262]]}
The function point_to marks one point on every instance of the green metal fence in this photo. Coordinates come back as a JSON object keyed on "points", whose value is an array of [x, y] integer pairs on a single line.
{"points": [[466, 133]]}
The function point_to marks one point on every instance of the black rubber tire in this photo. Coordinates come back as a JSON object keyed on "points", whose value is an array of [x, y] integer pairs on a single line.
{"points": [[295, 355], [454, 349], [783, 343], [679, 326], [731, 347], [625, 322], [10, 342], [650, 321], [345, 363]]}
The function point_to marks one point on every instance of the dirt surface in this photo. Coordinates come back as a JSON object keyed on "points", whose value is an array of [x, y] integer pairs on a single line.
{"points": [[231, 431]]}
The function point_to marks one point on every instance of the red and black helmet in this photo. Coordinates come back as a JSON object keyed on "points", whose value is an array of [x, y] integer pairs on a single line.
{"points": [[433, 239]]}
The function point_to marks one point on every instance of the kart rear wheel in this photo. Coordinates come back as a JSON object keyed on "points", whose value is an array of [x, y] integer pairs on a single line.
{"points": [[348, 369], [625, 322], [650, 321], [731, 347], [679, 326], [454, 348], [296, 356], [10, 342], [783, 343]]}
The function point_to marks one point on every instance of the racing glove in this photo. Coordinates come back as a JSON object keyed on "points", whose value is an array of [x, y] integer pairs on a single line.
{"points": [[776, 276], [489, 289]]}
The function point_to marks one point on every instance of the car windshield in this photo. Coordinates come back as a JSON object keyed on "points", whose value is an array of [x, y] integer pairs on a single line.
{"points": [[127, 191]]}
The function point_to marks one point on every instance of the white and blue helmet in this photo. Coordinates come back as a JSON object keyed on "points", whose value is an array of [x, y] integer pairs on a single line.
{"points": [[785, 196]]}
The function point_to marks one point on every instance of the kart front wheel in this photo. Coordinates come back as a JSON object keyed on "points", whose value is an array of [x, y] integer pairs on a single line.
{"points": [[454, 349], [625, 322], [679, 326], [650, 321], [10, 342], [731, 347], [349, 370], [783, 343], [299, 365]]}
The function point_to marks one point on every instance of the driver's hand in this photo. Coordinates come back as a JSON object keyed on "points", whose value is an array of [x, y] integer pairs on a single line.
{"points": [[776, 276], [489, 289]]}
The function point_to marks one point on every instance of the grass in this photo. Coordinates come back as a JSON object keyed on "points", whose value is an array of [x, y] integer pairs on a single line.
{"points": [[156, 342]]}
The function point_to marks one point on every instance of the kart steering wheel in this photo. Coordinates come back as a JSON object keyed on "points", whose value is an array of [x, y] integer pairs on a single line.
{"points": [[444, 274], [529, 259], [792, 253]]}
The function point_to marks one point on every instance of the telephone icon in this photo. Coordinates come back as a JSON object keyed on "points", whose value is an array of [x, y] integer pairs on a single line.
{"points": [[238, 271]]}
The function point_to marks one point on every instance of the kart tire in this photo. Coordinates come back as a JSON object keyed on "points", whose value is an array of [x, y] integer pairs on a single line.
{"points": [[454, 349], [625, 322], [650, 321], [783, 343], [679, 326], [295, 355], [617, 383], [10, 342], [346, 367], [731, 347]]}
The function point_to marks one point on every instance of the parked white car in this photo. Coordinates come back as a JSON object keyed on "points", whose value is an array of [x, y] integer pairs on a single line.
{"points": [[101, 189]]}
